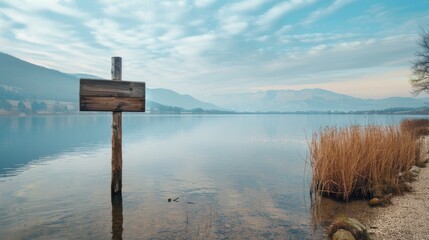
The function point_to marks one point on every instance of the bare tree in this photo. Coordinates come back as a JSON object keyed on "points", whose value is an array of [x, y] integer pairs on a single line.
{"points": [[420, 69]]}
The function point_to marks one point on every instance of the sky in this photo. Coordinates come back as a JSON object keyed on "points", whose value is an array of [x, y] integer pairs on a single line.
{"points": [[208, 48]]}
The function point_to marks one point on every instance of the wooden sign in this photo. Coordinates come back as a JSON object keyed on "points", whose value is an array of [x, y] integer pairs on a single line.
{"points": [[112, 96], [115, 96]]}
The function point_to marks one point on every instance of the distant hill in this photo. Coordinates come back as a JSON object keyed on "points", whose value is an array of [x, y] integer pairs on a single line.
{"points": [[310, 100], [402, 111], [84, 75], [21, 80], [172, 98], [35, 82]]}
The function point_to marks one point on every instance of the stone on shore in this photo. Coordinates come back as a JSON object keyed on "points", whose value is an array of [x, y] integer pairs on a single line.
{"points": [[413, 175], [374, 202], [406, 186], [415, 169], [352, 225], [422, 163], [342, 234]]}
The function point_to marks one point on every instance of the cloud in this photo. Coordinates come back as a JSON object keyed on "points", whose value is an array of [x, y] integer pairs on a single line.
{"points": [[323, 12], [358, 54], [316, 37], [321, 64], [5, 23], [317, 49], [246, 5], [203, 3], [284, 29], [234, 18], [215, 46], [172, 34], [111, 34], [262, 38], [235, 27], [146, 12], [62, 7], [38, 30], [376, 11], [36, 37], [232, 25], [280, 10], [194, 45]]}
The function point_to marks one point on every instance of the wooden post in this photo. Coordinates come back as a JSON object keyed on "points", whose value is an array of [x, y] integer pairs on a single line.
{"points": [[116, 187], [116, 96]]}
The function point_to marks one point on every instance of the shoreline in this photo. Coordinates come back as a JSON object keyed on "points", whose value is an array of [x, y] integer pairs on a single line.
{"points": [[407, 217]]}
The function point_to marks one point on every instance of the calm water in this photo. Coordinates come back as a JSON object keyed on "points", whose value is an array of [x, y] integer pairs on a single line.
{"points": [[235, 176]]}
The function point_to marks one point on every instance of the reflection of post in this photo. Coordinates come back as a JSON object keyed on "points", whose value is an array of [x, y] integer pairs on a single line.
{"points": [[117, 217]]}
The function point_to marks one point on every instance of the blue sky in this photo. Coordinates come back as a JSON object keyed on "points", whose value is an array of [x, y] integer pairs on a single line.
{"points": [[206, 47]]}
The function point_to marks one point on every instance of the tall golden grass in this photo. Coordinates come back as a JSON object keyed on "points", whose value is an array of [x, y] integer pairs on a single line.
{"points": [[358, 161], [418, 127]]}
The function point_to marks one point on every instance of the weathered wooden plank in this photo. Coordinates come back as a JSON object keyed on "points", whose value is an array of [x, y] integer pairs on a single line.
{"points": [[109, 88], [116, 186], [108, 95], [112, 104]]}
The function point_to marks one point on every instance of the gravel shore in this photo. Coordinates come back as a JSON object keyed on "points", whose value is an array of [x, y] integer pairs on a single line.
{"points": [[406, 218], [408, 215]]}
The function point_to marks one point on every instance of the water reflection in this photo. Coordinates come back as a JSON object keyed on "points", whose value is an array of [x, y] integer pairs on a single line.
{"points": [[25, 140], [117, 217], [28, 139], [244, 175]]}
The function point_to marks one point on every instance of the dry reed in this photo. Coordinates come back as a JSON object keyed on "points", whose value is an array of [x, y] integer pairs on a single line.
{"points": [[358, 161], [418, 127]]}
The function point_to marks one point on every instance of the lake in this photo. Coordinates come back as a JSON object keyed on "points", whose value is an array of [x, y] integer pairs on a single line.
{"points": [[232, 176]]}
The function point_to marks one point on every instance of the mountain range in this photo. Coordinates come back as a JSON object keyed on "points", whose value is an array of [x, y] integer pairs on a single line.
{"points": [[21, 80], [311, 100]]}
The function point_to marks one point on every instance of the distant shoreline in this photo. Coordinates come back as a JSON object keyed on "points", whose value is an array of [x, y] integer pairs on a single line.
{"points": [[416, 112]]}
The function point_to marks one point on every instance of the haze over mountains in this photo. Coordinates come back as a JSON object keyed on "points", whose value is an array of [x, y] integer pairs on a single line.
{"points": [[311, 100], [20, 80]]}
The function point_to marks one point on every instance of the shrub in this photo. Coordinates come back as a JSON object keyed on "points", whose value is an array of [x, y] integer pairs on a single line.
{"points": [[358, 161], [418, 127]]}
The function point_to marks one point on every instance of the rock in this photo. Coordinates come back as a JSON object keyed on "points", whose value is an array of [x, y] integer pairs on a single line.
{"points": [[342, 234], [352, 225], [422, 163], [374, 202], [415, 169], [413, 175], [414, 172], [408, 186]]}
